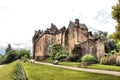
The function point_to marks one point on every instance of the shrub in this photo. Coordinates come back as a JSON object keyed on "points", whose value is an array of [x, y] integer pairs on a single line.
{"points": [[118, 60], [117, 54], [89, 58], [72, 58], [109, 60], [58, 53], [61, 55], [103, 60]]}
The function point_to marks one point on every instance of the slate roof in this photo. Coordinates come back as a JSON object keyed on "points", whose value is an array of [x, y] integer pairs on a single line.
{"points": [[83, 26]]}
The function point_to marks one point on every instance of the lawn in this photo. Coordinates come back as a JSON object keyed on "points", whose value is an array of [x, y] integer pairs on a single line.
{"points": [[7, 71], [93, 66], [74, 64], [43, 72], [105, 67]]}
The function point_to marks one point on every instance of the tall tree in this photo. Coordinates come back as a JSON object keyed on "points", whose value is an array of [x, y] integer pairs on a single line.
{"points": [[8, 48], [116, 16], [57, 52]]}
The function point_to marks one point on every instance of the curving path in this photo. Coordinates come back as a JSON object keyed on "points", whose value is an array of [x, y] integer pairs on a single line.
{"points": [[1, 66], [115, 73]]}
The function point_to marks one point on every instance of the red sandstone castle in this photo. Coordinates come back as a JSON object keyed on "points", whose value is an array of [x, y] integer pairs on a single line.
{"points": [[75, 34]]}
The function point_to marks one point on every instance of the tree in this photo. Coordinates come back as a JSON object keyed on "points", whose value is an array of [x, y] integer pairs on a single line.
{"points": [[9, 57], [57, 52], [116, 12], [8, 48], [111, 45], [54, 50], [23, 52], [101, 35], [116, 16], [12, 56], [61, 55]]}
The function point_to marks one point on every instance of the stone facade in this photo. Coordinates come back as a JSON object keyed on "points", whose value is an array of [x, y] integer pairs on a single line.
{"points": [[75, 34]]}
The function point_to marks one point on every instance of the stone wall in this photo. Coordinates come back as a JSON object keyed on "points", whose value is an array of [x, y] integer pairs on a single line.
{"points": [[100, 48], [75, 34]]}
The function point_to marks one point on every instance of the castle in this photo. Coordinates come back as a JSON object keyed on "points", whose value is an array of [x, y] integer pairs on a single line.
{"points": [[75, 34]]}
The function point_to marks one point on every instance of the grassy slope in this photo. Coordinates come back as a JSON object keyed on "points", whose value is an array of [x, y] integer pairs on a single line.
{"points": [[93, 66], [6, 72], [43, 72]]}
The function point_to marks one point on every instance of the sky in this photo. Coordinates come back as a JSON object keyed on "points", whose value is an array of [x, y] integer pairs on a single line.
{"points": [[20, 18]]}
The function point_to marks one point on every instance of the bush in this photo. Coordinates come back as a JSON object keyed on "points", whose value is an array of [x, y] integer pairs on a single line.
{"points": [[58, 53], [117, 54], [109, 60], [103, 60], [89, 58], [72, 58], [61, 55], [118, 60]]}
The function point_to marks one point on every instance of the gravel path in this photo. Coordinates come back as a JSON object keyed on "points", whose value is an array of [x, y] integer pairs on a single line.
{"points": [[1, 66], [115, 73]]}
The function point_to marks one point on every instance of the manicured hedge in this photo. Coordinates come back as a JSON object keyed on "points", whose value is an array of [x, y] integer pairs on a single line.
{"points": [[89, 58]]}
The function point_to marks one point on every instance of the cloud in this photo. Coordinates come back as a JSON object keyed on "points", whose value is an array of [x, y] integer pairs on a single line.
{"points": [[102, 16], [92, 29], [4, 7], [20, 18]]}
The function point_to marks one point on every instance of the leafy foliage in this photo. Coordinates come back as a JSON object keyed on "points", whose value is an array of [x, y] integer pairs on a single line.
{"points": [[111, 45], [118, 60], [100, 34], [116, 12], [54, 50], [72, 58], [61, 55], [109, 60], [89, 58], [8, 48], [103, 60], [77, 51], [116, 16], [9, 57], [57, 52], [22, 53], [12, 55]]}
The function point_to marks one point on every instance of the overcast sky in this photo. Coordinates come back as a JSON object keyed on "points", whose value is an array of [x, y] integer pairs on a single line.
{"points": [[20, 18]]}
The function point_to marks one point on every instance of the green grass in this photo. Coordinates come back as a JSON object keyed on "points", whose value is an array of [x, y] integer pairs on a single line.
{"points": [[43, 72], [74, 64], [93, 66], [105, 67], [7, 71], [49, 60]]}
